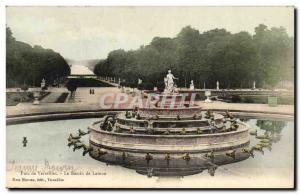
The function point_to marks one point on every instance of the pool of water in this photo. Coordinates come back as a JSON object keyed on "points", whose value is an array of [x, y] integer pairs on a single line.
{"points": [[47, 142]]}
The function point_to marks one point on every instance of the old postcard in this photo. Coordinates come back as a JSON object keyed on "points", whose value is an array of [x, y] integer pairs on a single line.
{"points": [[150, 97]]}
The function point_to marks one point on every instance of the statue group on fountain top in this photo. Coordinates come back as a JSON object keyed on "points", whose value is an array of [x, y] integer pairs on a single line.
{"points": [[170, 87]]}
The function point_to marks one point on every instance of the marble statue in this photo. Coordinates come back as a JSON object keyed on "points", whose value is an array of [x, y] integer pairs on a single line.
{"points": [[192, 87], [169, 82], [140, 81], [254, 85], [218, 85], [43, 83]]}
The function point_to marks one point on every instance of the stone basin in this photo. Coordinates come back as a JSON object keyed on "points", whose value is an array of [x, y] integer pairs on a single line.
{"points": [[144, 143], [170, 123], [130, 150]]}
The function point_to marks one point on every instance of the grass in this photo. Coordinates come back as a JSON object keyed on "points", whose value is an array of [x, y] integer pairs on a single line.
{"points": [[284, 100], [14, 98]]}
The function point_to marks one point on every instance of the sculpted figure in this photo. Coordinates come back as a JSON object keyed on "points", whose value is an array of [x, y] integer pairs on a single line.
{"points": [[169, 82]]}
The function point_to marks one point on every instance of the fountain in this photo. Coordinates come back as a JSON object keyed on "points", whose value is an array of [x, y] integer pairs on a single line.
{"points": [[172, 138]]}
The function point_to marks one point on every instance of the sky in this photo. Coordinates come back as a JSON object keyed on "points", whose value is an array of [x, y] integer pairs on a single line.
{"points": [[81, 33]]}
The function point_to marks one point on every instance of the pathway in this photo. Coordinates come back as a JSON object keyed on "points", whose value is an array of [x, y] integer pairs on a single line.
{"points": [[29, 108], [51, 98]]}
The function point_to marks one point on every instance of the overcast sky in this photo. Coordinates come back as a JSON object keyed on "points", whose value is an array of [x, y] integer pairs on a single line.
{"points": [[92, 32]]}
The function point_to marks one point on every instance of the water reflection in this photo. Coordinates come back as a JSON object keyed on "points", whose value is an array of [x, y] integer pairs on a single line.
{"points": [[269, 132], [271, 126], [272, 129]]}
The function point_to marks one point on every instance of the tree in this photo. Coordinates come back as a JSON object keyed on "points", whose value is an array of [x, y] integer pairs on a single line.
{"points": [[26, 64], [235, 60], [72, 87], [275, 55]]}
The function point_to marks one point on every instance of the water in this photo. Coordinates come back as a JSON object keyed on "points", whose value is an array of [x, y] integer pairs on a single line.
{"points": [[47, 141]]}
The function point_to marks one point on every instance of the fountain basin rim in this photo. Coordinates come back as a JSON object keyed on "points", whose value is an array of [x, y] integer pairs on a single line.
{"points": [[167, 121], [161, 118], [173, 129], [247, 127], [172, 109], [182, 151]]}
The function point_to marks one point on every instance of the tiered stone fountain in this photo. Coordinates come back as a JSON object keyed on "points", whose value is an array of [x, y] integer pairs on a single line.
{"points": [[174, 138]]}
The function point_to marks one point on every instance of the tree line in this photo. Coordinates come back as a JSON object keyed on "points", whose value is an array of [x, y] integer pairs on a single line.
{"points": [[233, 59], [27, 65]]}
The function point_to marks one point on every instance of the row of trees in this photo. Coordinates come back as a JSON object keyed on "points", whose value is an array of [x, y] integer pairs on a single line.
{"points": [[29, 65], [235, 60]]}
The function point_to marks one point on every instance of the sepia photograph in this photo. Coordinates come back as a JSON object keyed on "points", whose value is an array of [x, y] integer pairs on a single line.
{"points": [[150, 97]]}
